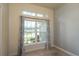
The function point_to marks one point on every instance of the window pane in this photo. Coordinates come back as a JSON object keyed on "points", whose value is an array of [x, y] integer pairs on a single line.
{"points": [[29, 30], [42, 26], [29, 38], [28, 13], [41, 36], [40, 15], [31, 13], [42, 31], [38, 30], [29, 24], [35, 31]]}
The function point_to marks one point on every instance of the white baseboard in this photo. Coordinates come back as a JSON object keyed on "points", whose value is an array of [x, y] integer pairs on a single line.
{"points": [[67, 52]]}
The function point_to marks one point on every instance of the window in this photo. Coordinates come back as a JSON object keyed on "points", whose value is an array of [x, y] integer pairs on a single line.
{"points": [[29, 13], [40, 15], [35, 31]]}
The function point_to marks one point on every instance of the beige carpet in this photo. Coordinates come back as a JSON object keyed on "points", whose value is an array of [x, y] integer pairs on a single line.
{"points": [[46, 52]]}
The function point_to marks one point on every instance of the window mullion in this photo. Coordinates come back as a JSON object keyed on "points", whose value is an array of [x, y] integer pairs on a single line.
{"points": [[36, 31]]}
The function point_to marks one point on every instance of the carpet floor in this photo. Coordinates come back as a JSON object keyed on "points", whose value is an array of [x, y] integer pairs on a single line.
{"points": [[46, 52]]}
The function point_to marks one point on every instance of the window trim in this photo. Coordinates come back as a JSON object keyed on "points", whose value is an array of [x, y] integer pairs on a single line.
{"points": [[22, 19]]}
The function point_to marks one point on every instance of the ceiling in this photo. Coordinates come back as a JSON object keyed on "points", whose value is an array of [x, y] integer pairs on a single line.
{"points": [[49, 5]]}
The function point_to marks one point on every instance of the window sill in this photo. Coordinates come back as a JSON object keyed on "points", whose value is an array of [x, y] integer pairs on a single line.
{"points": [[35, 43]]}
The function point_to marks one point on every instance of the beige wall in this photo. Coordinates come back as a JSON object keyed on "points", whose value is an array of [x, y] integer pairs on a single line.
{"points": [[67, 27], [0, 30], [15, 11], [3, 29]]}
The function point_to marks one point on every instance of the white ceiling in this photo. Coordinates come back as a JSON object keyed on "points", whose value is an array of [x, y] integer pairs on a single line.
{"points": [[49, 5]]}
